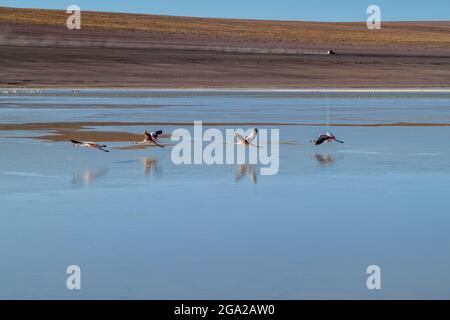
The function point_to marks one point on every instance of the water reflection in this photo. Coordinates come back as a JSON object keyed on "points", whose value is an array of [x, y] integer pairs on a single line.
{"points": [[246, 170], [87, 176], [325, 159], [151, 167]]}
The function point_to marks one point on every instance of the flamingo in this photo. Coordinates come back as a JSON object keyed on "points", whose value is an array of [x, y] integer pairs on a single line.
{"points": [[248, 140], [91, 145], [327, 137], [151, 137]]}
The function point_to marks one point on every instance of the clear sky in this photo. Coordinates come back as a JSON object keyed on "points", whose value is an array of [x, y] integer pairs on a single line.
{"points": [[316, 10]]}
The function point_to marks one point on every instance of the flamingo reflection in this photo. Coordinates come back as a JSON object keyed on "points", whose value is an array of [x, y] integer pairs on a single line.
{"points": [[246, 170], [151, 166], [324, 159], [87, 176]]}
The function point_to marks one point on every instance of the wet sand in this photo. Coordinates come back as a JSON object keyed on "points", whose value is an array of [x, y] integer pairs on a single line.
{"points": [[144, 51], [79, 131]]}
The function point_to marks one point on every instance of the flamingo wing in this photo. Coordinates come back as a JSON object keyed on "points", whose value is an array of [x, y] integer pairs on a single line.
{"points": [[147, 135], [321, 139], [156, 134], [252, 135], [240, 138], [159, 145]]}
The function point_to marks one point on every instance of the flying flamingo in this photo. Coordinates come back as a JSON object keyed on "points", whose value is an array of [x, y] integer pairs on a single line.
{"points": [[248, 141], [151, 137], [91, 145], [327, 137]]}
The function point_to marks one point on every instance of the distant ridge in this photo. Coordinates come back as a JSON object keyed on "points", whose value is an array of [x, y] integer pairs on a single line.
{"points": [[114, 50], [293, 32]]}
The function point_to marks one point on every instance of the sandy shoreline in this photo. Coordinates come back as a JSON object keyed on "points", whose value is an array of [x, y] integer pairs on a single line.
{"points": [[65, 67], [22, 90]]}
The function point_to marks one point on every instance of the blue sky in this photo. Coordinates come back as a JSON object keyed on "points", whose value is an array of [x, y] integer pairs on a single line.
{"points": [[316, 10]]}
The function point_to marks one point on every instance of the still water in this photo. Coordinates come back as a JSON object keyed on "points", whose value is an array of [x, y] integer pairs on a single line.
{"points": [[141, 227]]}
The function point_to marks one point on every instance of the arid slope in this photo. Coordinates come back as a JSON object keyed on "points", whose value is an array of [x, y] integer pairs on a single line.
{"points": [[127, 50]]}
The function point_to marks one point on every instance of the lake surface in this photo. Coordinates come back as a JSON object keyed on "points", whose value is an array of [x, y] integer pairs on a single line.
{"points": [[141, 227]]}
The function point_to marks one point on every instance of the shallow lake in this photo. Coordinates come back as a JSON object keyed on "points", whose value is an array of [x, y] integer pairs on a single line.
{"points": [[141, 227]]}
